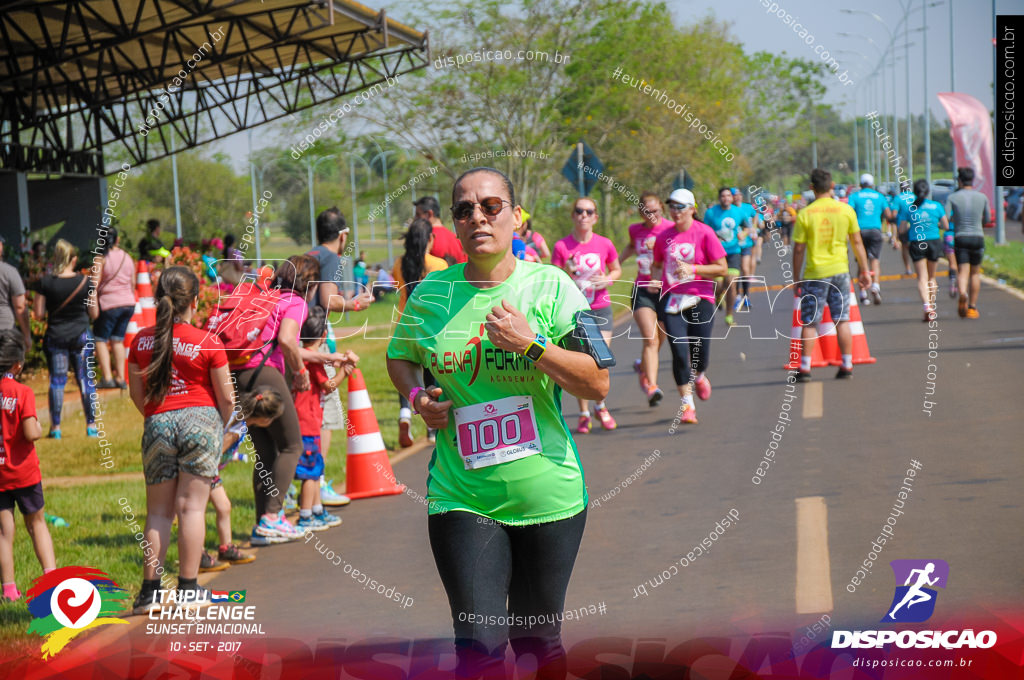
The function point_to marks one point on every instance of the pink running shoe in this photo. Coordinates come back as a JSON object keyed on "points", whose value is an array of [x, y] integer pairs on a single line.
{"points": [[689, 415], [584, 425], [607, 422], [703, 387]]}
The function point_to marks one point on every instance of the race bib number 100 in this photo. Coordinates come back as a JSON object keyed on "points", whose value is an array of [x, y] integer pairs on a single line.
{"points": [[497, 432]]}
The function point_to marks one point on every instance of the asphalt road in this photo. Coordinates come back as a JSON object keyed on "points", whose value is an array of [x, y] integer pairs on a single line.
{"points": [[802, 532]]}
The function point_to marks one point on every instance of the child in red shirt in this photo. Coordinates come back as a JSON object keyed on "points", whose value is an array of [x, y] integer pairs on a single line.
{"points": [[309, 405], [20, 479]]}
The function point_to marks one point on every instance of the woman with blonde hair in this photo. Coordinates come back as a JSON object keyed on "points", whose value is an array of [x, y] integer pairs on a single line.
{"points": [[67, 301]]}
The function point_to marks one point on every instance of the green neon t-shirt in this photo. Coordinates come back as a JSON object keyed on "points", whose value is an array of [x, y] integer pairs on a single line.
{"points": [[442, 330]]}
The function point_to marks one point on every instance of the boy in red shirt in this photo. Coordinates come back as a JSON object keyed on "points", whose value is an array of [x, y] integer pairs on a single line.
{"points": [[309, 405], [20, 479]]}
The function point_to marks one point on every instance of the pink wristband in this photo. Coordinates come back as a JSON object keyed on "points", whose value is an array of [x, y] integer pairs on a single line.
{"points": [[412, 398]]}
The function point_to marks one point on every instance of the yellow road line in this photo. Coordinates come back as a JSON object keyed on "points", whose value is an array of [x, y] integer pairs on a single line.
{"points": [[813, 400], [813, 573]]}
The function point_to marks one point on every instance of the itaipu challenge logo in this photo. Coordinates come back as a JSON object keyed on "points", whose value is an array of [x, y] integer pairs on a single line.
{"points": [[69, 601]]}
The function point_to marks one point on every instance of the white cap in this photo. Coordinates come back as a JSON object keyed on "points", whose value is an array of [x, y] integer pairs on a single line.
{"points": [[866, 180], [684, 196]]}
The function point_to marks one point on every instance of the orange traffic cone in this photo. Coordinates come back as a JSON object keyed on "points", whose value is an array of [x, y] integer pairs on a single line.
{"points": [[796, 343], [367, 468], [144, 293], [861, 353], [828, 338], [134, 326]]}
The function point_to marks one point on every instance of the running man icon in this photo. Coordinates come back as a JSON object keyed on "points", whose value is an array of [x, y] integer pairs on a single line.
{"points": [[916, 576]]}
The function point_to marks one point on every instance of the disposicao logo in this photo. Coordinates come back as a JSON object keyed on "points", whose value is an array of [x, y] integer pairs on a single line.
{"points": [[69, 601], [914, 602], [919, 594]]}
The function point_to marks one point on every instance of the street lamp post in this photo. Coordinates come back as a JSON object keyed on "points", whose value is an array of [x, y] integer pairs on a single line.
{"points": [[310, 166], [383, 155]]}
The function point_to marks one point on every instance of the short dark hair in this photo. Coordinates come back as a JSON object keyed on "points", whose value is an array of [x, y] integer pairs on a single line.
{"points": [[965, 175], [152, 225], [504, 179], [12, 349], [821, 180], [329, 224], [721, 189], [428, 203], [315, 324]]}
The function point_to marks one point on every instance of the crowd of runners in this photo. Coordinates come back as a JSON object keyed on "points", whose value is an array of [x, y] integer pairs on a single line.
{"points": [[269, 373]]}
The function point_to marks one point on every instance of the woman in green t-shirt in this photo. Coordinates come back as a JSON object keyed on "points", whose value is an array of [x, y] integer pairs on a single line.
{"points": [[506, 498]]}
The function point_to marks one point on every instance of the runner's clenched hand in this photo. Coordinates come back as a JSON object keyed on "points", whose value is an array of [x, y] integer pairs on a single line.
{"points": [[508, 329]]}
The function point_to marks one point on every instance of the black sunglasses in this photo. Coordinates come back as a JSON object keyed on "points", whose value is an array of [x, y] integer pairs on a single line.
{"points": [[677, 206], [490, 207], [588, 211]]}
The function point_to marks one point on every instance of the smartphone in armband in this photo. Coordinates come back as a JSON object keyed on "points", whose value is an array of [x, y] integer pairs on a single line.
{"points": [[586, 337]]}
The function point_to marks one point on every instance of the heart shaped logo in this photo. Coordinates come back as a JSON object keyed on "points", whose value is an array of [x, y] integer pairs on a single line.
{"points": [[75, 603], [73, 612]]}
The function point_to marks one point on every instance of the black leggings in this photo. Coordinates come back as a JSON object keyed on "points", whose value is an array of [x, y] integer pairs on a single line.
{"points": [[689, 335], [494, 571], [277, 447]]}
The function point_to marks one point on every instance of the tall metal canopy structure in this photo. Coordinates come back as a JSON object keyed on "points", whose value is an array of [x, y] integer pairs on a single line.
{"points": [[80, 78], [87, 85]]}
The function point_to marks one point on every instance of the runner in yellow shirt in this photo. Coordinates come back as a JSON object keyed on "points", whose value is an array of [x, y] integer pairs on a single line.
{"points": [[819, 239]]}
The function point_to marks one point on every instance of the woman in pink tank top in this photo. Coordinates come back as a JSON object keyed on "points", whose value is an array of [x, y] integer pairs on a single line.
{"points": [[113, 275]]}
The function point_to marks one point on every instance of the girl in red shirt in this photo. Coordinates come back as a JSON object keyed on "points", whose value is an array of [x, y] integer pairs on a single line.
{"points": [[179, 381], [20, 481]]}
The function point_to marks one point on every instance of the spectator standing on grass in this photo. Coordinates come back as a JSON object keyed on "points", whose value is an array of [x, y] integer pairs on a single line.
{"points": [[968, 209], [822, 229], [151, 244], [279, 444], [232, 265], [308, 404], [414, 264], [182, 387], [20, 477], [332, 235], [66, 301], [257, 409], [446, 245], [13, 308], [112, 277], [384, 284]]}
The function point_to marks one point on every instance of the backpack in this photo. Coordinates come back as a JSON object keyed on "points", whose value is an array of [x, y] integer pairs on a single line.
{"points": [[241, 320]]}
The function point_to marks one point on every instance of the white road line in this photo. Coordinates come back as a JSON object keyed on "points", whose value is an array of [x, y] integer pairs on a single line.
{"points": [[812, 396], [813, 574]]}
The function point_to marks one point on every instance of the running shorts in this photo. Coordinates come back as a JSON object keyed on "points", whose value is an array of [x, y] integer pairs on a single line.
{"points": [[970, 250], [930, 249], [28, 498], [816, 293], [872, 239], [185, 439], [604, 317], [643, 298], [311, 461], [734, 261]]}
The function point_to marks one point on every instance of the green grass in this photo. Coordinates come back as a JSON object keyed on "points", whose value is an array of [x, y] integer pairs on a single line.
{"points": [[98, 536], [1005, 262]]}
